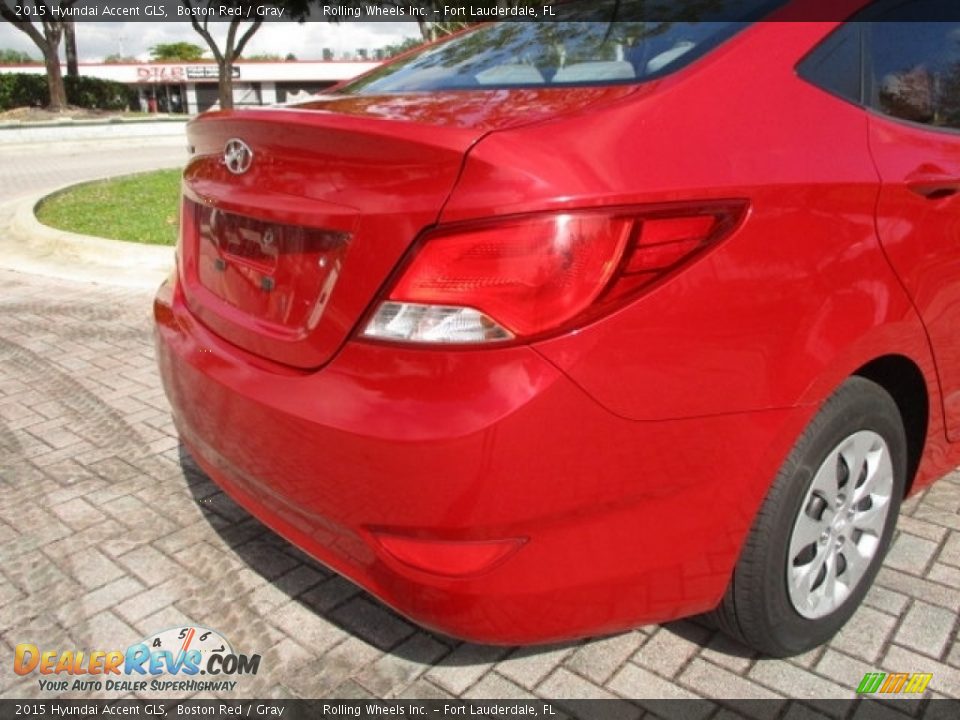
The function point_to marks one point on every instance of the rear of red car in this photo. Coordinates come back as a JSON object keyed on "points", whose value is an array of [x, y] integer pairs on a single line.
{"points": [[521, 358]]}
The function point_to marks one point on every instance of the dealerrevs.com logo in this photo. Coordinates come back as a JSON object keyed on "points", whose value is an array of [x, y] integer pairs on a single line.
{"points": [[170, 661]]}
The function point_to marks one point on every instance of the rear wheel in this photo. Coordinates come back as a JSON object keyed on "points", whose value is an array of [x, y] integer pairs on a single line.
{"points": [[824, 527]]}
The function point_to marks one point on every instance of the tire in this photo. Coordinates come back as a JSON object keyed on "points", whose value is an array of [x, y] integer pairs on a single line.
{"points": [[824, 527]]}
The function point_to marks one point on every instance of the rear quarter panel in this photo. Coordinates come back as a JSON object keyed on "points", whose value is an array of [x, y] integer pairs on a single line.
{"points": [[781, 312]]}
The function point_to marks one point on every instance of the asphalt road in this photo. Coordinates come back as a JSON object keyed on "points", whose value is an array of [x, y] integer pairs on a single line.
{"points": [[28, 169]]}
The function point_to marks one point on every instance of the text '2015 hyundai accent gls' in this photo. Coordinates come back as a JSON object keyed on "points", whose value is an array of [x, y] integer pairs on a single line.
{"points": [[555, 329]]}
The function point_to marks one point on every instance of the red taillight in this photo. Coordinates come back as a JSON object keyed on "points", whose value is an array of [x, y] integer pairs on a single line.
{"points": [[525, 276]]}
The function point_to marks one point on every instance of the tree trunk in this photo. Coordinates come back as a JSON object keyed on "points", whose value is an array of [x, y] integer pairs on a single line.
{"points": [[58, 95], [52, 34], [226, 84], [70, 41], [426, 30]]}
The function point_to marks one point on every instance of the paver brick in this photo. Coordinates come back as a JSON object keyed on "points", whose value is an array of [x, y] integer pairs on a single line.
{"points": [[309, 629], [632, 681], [287, 657], [464, 666], [921, 528], [115, 595], [865, 634], [100, 536], [150, 565], [373, 622], [340, 662], [945, 575], [8, 593], [597, 660], [926, 629], [528, 666], [953, 657], [843, 669], [726, 652], [263, 557], [330, 593], [102, 630], [424, 690], [794, 682], [910, 553], [496, 687], [147, 601], [32, 572], [711, 681], [351, 690], [668, 651], [946, 679], [888, 601], [930, 592], [393, 672], [950, 554], [77, 513], [290, 585]]}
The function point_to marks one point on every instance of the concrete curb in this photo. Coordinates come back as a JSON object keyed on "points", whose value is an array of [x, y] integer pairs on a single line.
{"points": [[31, 247], [61, 131]]}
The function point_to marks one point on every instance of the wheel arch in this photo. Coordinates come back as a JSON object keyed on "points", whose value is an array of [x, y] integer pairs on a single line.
{"points": [[904, 380]]}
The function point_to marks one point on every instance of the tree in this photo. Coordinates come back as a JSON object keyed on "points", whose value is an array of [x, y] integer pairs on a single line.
{"points": [[271, 57], [46, 35], [14, 57], [70, 46], [239, 32], [118, 59], [395, 49], [176, 52], [264, 57]]}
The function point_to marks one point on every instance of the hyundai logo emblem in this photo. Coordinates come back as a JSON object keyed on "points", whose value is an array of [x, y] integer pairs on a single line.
{"points": [[237, 156]]}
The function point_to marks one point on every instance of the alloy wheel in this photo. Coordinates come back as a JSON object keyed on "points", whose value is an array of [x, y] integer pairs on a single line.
{"points": [[840, 524]]}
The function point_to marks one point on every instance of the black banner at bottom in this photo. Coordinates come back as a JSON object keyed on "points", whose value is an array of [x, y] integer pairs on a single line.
{"points": [[159, 709]]}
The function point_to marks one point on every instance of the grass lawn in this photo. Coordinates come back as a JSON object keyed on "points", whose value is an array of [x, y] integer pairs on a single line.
{"points": [[140, 208]]}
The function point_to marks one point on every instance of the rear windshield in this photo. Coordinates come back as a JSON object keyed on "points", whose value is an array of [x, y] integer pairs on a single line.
{"points": [[570, 51]]}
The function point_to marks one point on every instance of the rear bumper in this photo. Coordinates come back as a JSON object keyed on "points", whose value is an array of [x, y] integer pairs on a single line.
{"points": [[624, 522]]}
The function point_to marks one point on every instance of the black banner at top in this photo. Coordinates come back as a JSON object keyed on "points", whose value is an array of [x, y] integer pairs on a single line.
{"points": [[220, 11]]}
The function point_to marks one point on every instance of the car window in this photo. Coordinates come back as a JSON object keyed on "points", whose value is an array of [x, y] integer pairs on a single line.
{"points": [[914, 65], [577, 49], [835, 65]]}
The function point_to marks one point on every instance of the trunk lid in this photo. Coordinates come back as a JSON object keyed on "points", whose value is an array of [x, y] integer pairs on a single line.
{"points": [[283, 258]]}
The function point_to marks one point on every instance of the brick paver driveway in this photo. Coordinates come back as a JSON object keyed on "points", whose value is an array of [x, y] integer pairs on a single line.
{"points": [[108, 534]]}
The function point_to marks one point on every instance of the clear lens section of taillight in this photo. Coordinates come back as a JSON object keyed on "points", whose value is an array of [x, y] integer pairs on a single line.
{"points": [[433, 324], [526, 276]]}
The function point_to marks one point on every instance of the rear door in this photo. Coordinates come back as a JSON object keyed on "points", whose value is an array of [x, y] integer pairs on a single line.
{"points": [[913, 86]]}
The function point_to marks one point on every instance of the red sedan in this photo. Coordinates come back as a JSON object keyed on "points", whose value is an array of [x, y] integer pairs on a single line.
{"points": [[557, 329]]}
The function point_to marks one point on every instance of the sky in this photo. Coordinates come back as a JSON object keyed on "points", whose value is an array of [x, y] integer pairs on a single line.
{"points": [[307, 40]]}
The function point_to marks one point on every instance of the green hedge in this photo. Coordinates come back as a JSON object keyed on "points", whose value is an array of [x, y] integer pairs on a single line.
{"points": [[21, 89], [100, 94]]}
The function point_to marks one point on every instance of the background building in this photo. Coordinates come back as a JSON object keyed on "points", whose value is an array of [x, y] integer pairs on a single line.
{"points": [[192, 87]]}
